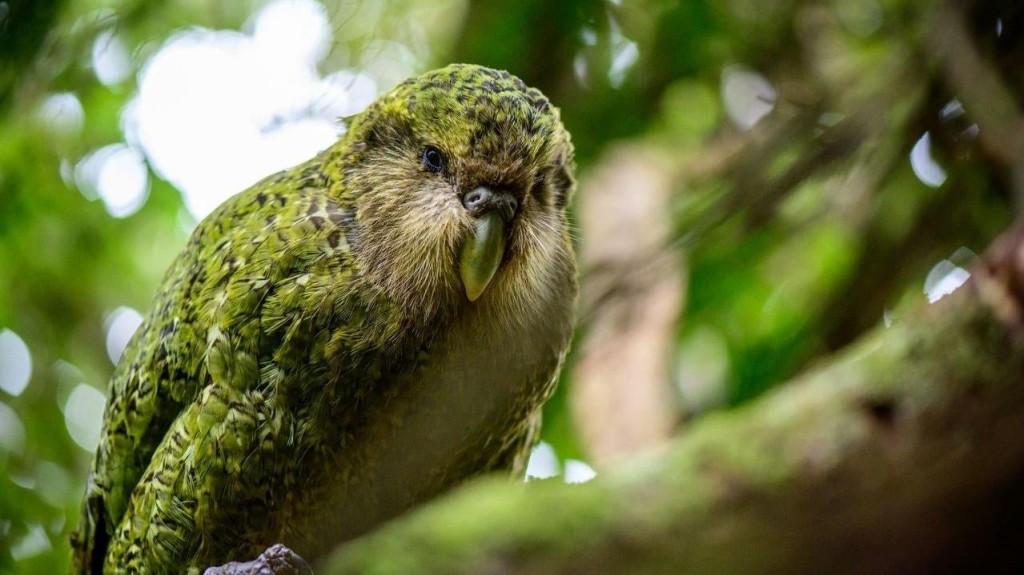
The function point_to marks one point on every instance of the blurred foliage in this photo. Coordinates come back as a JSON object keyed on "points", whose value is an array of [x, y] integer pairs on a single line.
{"points": [[799, 230]]}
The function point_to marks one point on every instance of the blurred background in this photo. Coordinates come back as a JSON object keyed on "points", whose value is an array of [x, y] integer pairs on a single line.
{"points": [[760, 183]]}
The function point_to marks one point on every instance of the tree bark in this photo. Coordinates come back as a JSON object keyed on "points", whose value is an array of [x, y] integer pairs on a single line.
{"points": [[904, 454]]}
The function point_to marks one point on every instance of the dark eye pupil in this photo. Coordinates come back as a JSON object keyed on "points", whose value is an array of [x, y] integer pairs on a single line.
{"points": [[433, 159]]}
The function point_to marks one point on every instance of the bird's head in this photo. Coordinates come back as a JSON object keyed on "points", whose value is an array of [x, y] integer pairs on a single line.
{"points": [[460, 180]]}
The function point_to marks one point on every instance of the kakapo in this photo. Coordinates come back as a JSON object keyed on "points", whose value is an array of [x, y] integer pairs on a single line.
{"points": [[347, 338]]}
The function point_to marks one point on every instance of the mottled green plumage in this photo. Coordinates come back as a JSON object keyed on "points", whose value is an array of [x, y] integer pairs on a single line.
{"points": [[312, 365]]}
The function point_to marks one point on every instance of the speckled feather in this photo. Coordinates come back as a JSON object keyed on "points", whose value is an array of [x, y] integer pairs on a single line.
{"points": [[311, 365]]}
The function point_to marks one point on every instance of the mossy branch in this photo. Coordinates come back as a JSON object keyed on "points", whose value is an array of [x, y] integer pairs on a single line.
{"points": [[900, 455]]}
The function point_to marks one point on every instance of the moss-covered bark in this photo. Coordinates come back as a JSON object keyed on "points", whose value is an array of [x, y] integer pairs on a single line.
{"points": [[904, 454]]}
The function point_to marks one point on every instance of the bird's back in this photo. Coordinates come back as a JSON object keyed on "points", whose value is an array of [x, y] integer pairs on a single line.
{"points": [[232, 312]]}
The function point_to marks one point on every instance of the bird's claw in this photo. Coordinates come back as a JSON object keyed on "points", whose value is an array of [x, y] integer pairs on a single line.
{"points": [[276, 560]]}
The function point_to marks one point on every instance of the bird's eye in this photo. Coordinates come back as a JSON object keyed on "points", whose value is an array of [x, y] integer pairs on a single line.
{"points": [[433, 159]]}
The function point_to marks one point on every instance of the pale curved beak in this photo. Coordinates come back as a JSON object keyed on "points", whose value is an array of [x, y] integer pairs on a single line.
{"points": [[483, 251]]}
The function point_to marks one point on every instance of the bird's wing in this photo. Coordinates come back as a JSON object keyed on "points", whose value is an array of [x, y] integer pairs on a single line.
{"points": [[227, 319]]}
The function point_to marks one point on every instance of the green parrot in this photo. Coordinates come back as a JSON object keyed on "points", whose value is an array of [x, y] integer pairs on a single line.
{"points": [[347, 338]]}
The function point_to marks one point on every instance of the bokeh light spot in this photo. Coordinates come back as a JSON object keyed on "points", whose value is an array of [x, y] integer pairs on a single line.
{"points": [[625, 54], [747, 96], [943, 279], [12, 430], [924, 165], [83, 415], [577, 471], [121, 325], [62, 113], [54, 485], [117, 175], [110, 61], [33, 543], [543, 462], [15, 363]]}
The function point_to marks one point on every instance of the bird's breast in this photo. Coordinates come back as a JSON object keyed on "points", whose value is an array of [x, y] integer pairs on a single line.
{"points": [[465, 407]]}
